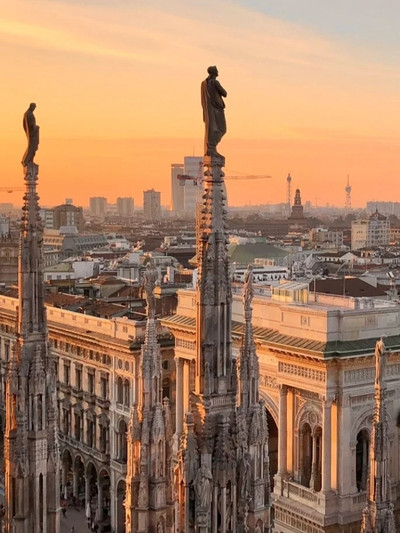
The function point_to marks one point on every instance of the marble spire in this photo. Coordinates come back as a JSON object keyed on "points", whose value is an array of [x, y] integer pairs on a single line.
{"points": [[149, 472], [210, 470], [252, 428], [32, 462], [378, 516]]}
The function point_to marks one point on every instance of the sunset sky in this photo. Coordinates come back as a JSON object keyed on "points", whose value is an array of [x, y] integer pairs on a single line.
{"points": [[313, 89]]}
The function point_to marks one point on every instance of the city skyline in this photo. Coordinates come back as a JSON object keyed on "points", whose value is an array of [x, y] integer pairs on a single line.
{"points": [[117, 90]]}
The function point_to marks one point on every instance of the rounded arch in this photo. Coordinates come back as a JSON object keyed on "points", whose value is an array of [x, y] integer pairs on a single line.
{"points": [[122, 445], [91, 469], [67, 455], [272, 406], [126, 392], [362, 458], [120, 508], [309, 413], [120, 390], [78, 460], [362, 421]]}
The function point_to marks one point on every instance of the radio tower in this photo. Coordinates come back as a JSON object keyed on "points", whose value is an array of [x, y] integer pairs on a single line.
{"points": [[348, 194], [289, 194]]}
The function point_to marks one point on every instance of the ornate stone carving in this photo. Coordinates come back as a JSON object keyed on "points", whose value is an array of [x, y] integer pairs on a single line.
{"points": [[301, 371]]}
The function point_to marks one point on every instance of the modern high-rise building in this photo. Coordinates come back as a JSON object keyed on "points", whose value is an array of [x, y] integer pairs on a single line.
{"points": [[373, 231], [385, 208], [98, 206], [177, 189], [125, 206], [152, 205], [193, 167]]}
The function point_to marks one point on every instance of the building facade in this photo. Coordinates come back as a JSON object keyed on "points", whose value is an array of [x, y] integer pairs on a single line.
{"points": [[316, 377], [371, 232], [98, 207], [125, 207], [97, 365], [68, 215], [152, 205]]}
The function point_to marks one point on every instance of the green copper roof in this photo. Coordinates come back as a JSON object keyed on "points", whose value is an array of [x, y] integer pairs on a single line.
{"points": [[277, 340]]}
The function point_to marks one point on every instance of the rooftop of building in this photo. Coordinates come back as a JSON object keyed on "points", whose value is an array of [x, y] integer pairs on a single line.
{"points": [[323, 325]]}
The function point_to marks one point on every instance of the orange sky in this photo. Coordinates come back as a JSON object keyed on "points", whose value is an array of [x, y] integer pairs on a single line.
{"points": [[117, 92]]}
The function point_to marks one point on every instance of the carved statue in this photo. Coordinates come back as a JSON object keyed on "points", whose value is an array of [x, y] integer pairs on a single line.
{"points": [[380, 353], [202, 487], [149, 280], [244, 477], [213, 111], [32, 132], [248, 291]]}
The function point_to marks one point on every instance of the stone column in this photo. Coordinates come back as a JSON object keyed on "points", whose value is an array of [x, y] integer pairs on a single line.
{"points": [[99, 512], [64, 479], [314, 466], [87, 490], [223, 510], [75, 488], [300, 454], [326, 446], [282, 455], [179, 399]]}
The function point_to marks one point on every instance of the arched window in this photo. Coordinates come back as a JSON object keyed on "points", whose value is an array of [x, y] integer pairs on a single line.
{"points": [[127, 393], [120, 391], [362, 452], [311, 457], [166, 388], [122, 444]]}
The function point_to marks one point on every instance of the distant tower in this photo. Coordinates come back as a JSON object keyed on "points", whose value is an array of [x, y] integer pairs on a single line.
{"points": [[378, 516], [31, 458], [348, 194], [289, 194]]}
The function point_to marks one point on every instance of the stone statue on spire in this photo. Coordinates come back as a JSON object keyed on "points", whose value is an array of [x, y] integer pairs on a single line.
{"points": [[380, 356], [213, 111], [32, 133], [149, 280], [248, 292]]}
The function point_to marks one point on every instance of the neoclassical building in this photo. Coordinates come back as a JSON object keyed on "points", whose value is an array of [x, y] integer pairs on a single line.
{"points": [[317, 369], [98, 382]]}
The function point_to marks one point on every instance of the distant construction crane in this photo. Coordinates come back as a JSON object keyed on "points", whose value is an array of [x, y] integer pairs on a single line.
{"points": [[200, 178], [11, 189]]}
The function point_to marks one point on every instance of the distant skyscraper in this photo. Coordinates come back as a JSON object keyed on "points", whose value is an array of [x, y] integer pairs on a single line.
{"points": [[193, 167], [152, 205], [98, 206], [177, 188], [125, 207], [385, 208]]}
